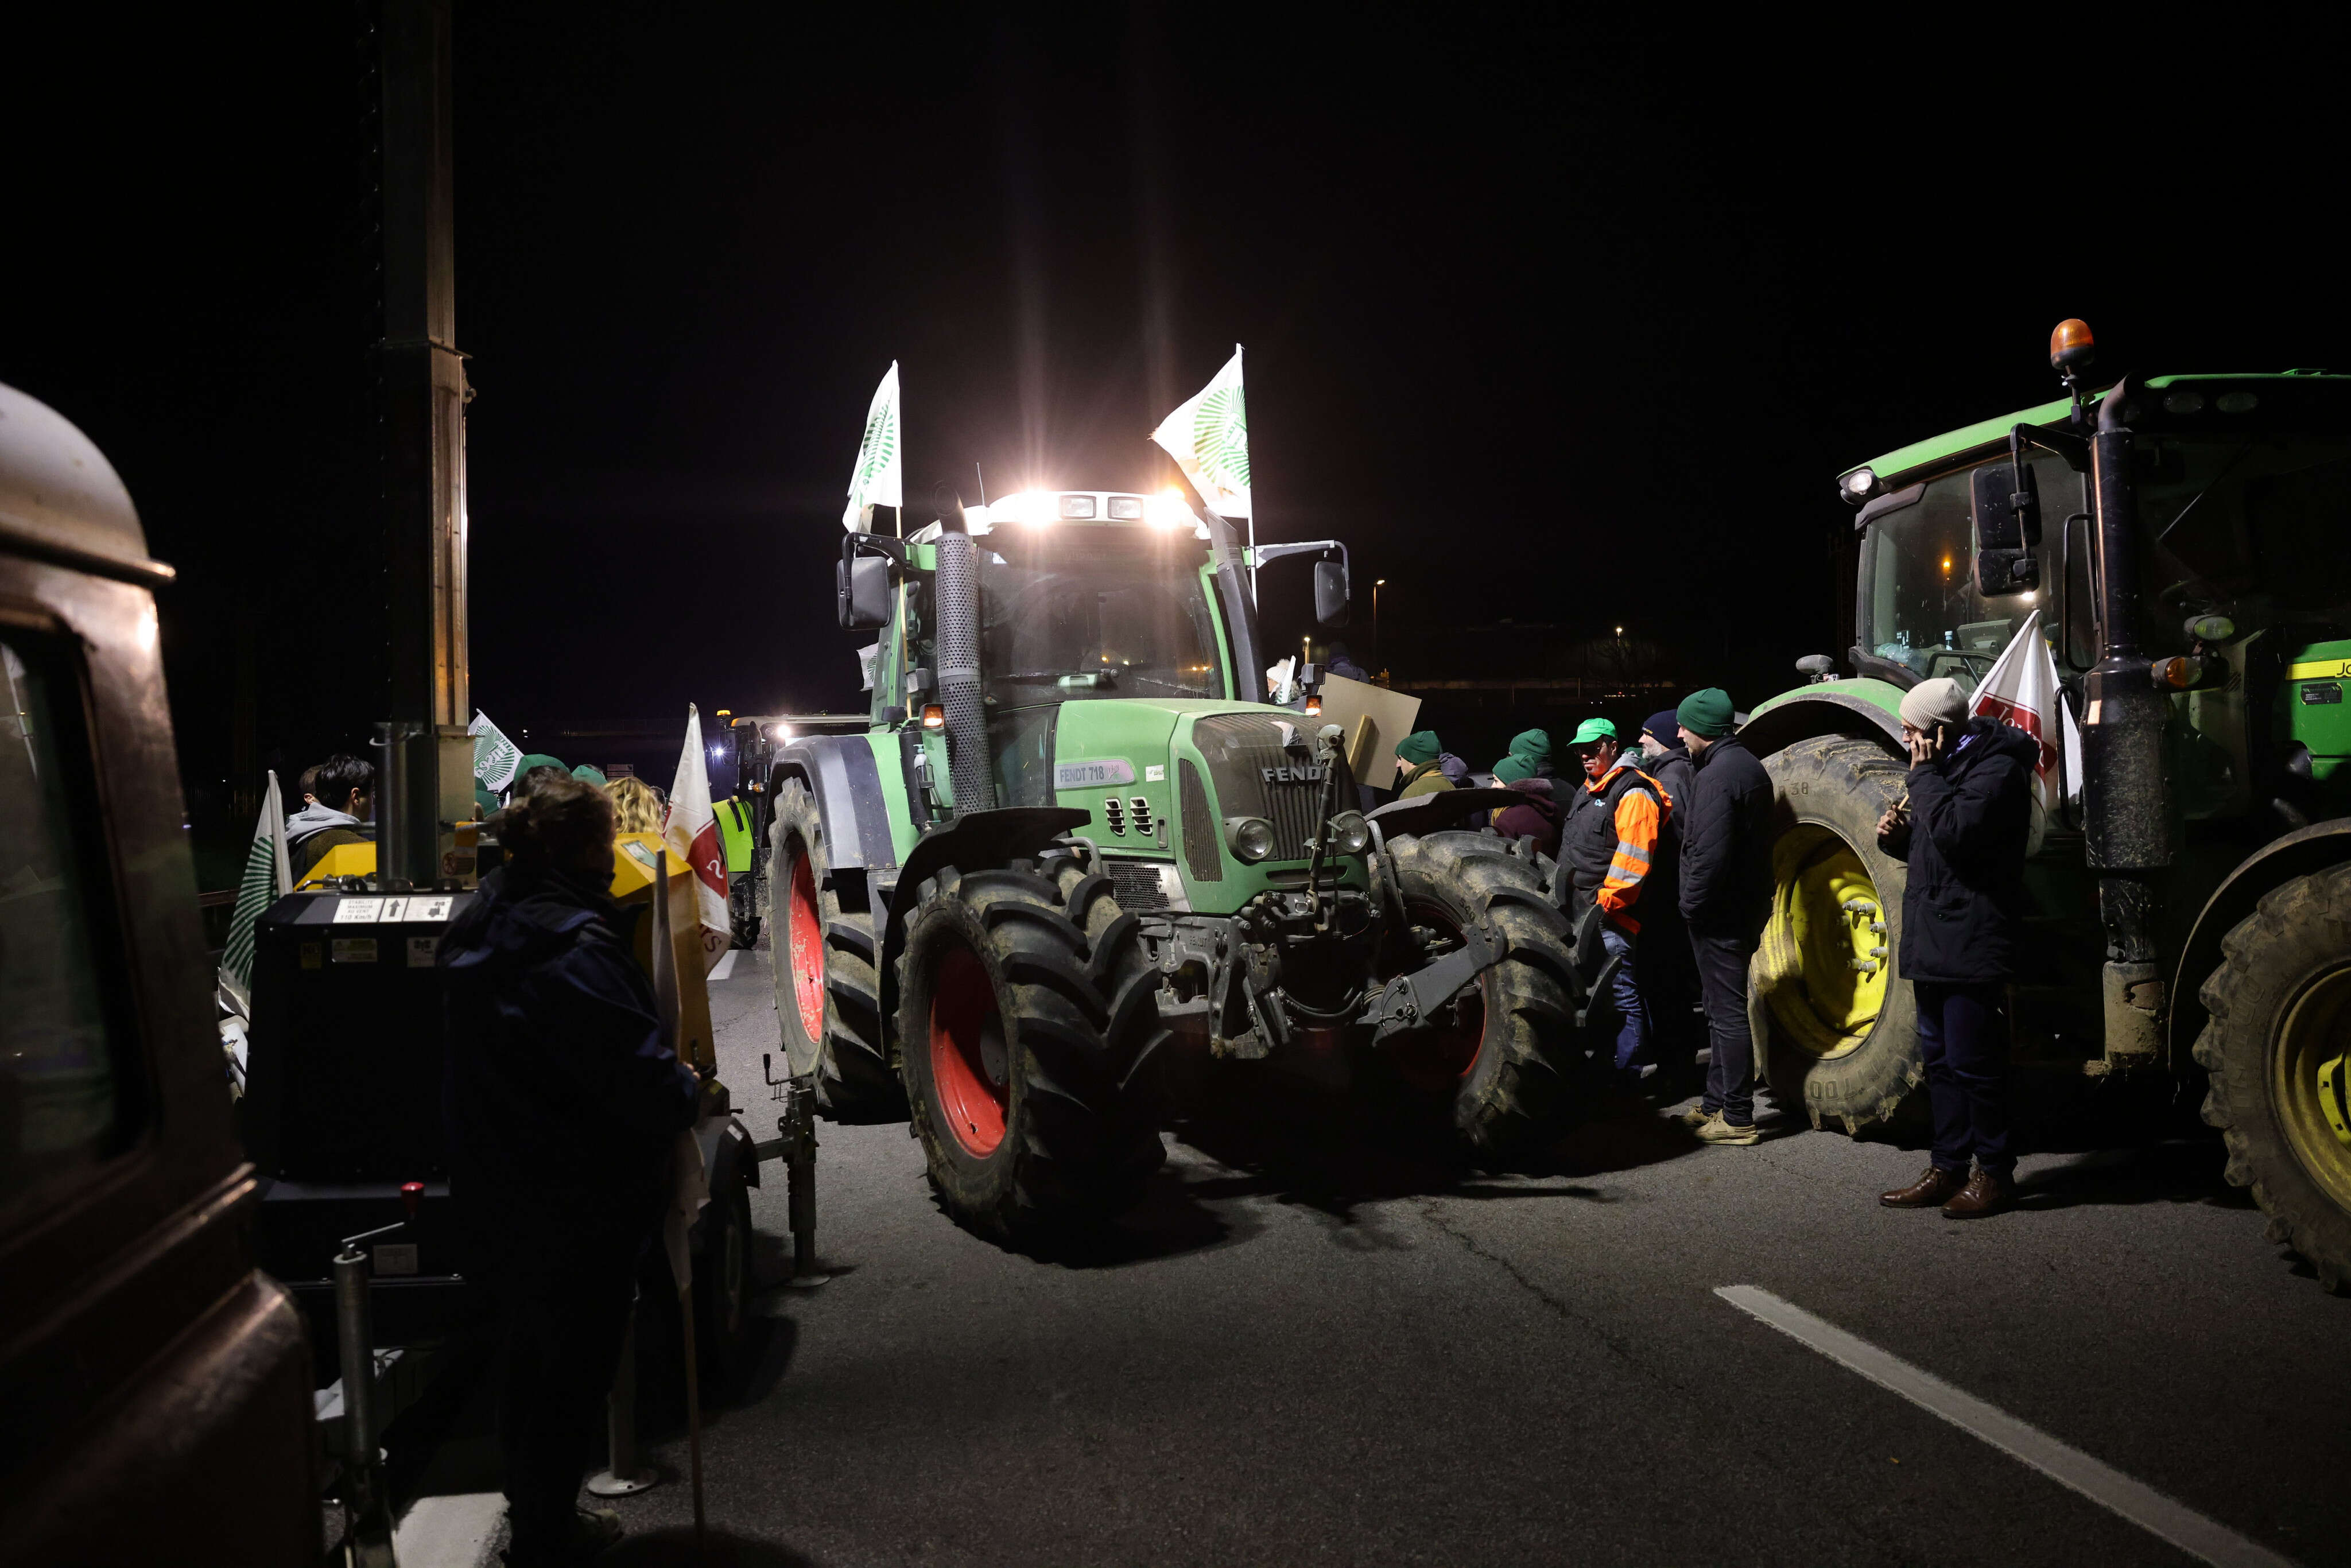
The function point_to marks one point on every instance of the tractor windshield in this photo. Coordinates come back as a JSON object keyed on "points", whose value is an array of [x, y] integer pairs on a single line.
{"points": [[1077, 612]]}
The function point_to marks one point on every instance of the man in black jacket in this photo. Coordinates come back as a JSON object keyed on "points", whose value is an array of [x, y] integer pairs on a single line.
{"points": [[1726, 882], [1963, 832], [564, 1102]]}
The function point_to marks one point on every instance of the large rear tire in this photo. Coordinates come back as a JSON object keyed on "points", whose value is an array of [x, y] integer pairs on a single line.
{"points": [[2280, 1010], [1835, 1022], [1504, 1054], [1024, 1000], [828, 988]]}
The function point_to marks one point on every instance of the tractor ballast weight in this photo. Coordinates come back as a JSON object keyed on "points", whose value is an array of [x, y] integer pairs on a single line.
{"points": [[1069, 868], [2191, 901]]}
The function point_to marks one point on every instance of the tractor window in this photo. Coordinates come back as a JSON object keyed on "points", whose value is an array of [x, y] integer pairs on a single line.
{"points": [[2252, 527], [63, 1094], [1919, 606], [1074, 612]]}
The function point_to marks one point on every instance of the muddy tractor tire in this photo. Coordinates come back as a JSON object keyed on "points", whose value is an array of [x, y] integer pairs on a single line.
{"points": [[1024, 1000], [2280, 1019], [1835, 1027], [1505, 1056], [828, 987]]}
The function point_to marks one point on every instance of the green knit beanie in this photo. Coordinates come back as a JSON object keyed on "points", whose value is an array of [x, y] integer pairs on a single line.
{"points": [[587, 773], [1708, 713], [1419, 746], [1512, 768], [1535, 745]]}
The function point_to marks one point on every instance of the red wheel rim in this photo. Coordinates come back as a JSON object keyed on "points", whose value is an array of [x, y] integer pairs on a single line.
{"points": [[805, 935], [969, 1063], [1440, 1058]]}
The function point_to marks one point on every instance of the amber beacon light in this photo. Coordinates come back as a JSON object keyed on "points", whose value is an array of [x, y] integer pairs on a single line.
{"points": [[2070, 344]]}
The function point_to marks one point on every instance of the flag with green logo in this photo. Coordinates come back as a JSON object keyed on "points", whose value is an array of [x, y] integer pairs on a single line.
{"points": [[267, 878], [875, 481], [1208, 438], [494, 756]]}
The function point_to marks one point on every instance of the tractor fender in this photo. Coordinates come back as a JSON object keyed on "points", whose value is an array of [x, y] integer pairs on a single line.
{"points": [[840, 772], [1839, 708], [2299, 853], [977, 840]]}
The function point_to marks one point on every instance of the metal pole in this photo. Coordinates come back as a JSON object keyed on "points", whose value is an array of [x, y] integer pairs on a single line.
{"points": [[693, 1411], [801, 1173], [363, 1482], [624, 1476]]}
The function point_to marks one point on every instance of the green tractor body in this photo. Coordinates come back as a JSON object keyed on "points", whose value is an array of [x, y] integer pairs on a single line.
{"points": [[1067, 863], [2181, 541]]}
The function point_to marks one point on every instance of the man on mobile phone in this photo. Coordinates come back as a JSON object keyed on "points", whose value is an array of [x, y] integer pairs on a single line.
{"points": [[1962, 834]]}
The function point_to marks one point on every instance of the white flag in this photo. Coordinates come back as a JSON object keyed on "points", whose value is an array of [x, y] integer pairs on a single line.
{"points": [[691, 830], [876, 480], [267, 878], [2022, 690], [1208, 438], [689, 1181], [494, 756]]}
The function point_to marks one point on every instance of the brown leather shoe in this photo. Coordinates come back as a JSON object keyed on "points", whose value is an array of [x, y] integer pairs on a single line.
{"points": [[1984, 1194], [1931, 1188]]}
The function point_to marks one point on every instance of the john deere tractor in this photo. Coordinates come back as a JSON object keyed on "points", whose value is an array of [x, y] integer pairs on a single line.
{"points": [[2180, 541], [1069, 853]]}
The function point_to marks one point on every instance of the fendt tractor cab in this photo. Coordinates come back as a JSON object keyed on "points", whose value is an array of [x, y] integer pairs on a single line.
{"points": [[2181, 540], [1070, 855]]}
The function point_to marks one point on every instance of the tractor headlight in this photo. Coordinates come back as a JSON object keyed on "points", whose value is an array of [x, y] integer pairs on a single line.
{"points": [[1250, 838], [1350, 832]]}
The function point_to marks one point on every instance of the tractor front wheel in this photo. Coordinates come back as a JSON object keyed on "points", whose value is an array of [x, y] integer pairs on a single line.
{"points": [[1501, 1051], [828, 986], [2275, 1046], [1024, 998]]}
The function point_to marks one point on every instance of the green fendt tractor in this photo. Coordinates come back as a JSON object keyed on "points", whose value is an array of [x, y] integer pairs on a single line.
{"points": [[1069, 855], [2182, 540]]}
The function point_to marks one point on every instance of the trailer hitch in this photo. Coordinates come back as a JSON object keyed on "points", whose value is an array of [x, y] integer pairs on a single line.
{"points": [[1407, 1002]]}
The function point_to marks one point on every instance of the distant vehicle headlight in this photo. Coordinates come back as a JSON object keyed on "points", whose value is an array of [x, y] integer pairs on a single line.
{"points": [[1350, 832], [1250, 838]]}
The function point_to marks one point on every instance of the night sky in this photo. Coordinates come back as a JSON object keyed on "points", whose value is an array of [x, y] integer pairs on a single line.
{"points": [[1552, 318]]}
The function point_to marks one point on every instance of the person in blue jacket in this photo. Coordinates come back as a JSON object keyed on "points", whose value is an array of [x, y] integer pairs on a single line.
{"points": [[1962, 831], [563, 1102]]}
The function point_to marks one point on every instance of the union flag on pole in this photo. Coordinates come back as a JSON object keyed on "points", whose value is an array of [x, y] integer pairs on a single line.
{"points": [[691, 830], [2022, 690]]}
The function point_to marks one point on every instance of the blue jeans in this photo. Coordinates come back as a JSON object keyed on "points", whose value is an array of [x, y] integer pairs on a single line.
{"points": [[1624, 991]]}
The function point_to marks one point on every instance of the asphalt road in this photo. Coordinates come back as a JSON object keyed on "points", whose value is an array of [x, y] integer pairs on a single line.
{"points": [[1314, 1344]]}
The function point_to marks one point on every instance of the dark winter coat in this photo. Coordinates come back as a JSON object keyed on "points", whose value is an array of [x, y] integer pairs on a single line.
{"points": [[1725, 847], [563, 1100], [1538, 815], [1963, 904]]}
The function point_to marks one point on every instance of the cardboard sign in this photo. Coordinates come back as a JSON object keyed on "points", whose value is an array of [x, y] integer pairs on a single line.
{"points": [[1371, 746]]}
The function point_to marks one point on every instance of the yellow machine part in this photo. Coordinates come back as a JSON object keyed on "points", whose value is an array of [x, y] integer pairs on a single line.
{"points": [[634, 857], [1826, 957], [343, 860]]}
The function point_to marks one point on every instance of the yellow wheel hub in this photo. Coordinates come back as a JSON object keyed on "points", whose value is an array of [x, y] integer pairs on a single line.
{"points": [[1826, 956], [2307, 1083]]}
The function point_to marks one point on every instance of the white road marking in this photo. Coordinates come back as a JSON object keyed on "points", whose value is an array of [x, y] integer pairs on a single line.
{"points": [[2203, 1538], [725, 966], [453, 1532]]}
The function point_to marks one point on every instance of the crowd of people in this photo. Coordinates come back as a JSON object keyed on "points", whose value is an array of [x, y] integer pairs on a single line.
{"points": [[1669, 839], [339, 802]]}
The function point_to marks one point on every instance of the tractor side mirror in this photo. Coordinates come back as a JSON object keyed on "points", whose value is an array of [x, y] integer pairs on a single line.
{"points": [[862, 590], [2006, 509], [1331, 593]]}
